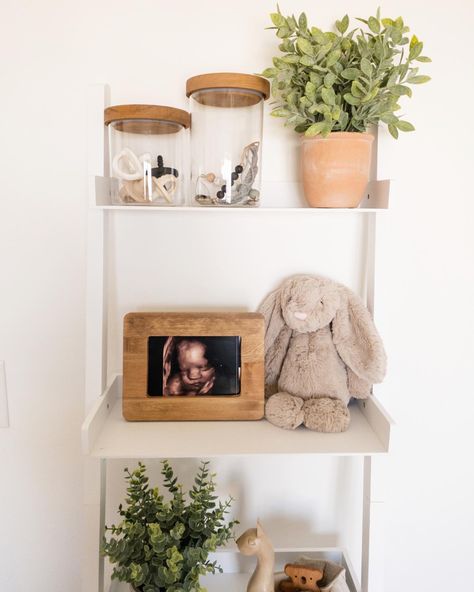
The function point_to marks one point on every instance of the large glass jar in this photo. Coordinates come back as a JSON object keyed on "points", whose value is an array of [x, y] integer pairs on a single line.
{"points": [[226, 141], [147, 147]]}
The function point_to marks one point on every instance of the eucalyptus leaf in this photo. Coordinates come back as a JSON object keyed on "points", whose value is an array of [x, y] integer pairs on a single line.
{"points": [[374, 24], [366, 67], [278, 20], [418, 79], [283, 32], [333, 57], [310, 91], [304, 46], [350, 73], [357, 89], [343, 24], [315, 129], [291, 59], [303, 21], [351, 99], [328, 96], [270, 72], [393, 131], [329, 79], [318, 35], [307, 61], [400, 89], [415, 50], [280, 112], [404, 126]]}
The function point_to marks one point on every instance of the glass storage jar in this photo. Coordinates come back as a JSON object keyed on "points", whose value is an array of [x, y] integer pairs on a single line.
{"points": [[147, 147], [226, 140]]}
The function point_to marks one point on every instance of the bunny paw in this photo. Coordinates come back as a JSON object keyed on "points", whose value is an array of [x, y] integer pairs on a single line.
{"points": [[326, 415], [284, 411]]}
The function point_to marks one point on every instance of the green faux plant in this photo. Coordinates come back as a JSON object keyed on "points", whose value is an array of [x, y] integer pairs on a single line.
{"points": [[163, 545], [344, 80]]}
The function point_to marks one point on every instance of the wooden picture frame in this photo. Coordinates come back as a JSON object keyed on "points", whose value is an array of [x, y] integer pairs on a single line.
{"points": [[139, 327]]}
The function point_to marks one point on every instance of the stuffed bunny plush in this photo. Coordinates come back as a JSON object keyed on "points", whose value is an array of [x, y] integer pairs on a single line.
{"points": [[321, 349]]}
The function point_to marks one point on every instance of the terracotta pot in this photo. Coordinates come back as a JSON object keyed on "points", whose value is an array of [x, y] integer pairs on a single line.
{"points": [[336, 169]]}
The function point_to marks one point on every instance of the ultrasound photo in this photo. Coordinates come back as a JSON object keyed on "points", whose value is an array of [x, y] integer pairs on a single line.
{"points": [[193, 366]]}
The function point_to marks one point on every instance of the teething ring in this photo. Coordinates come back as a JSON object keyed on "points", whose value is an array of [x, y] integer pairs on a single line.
{"points": [[129, 158], [160, 189]]}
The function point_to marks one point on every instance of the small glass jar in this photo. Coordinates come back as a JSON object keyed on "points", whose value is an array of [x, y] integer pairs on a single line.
{"points": [[147, 147], [226, 141]]}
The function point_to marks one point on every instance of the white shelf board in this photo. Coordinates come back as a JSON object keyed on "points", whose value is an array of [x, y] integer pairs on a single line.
{"points": [[105, 434], [283, 197], [262, 209], [237, 582]]}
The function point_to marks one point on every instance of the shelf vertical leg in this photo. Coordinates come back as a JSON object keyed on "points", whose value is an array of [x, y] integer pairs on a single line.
{"points": [[369, 267], [366, 525], [373, 531], [103, 494], [96, 330], [372, 565], [96, 326]]}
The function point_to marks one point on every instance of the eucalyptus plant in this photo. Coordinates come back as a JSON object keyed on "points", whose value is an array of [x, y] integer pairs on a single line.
{"points": [[164, 545], [344, 80]]}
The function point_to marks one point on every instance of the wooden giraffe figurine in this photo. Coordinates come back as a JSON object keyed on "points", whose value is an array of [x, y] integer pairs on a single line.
{"points": [[255, 542]]}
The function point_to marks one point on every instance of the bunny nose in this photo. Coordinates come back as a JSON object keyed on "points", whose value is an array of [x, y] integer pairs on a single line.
{"points": [[300, 315]]}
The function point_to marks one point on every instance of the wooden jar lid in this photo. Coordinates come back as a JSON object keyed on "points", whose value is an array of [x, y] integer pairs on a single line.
{"points": [[149, 119], [221, 81]]}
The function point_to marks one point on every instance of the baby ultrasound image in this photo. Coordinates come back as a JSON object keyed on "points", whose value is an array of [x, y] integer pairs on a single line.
{"points": [[193, 366]]}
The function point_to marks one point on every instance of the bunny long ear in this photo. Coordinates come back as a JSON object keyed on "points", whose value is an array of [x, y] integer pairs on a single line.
{"points": [[277, 337], [274, 322], [357, 340]]}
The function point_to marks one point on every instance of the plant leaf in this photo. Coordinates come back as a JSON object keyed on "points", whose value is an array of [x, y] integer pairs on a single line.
{"points": [[393, 131], [405, 126], [400, 89], [283, 32], [277, 19], [307, 60], [415, 50], [291, 58], [389, 118], [418, 79], [333, 57], [280, 112], [329, 79], [414, 41], [315, 129], [366, 67], [303, 21], [374, 24], [310, 91], [351, 99], [328, 96], [357, 89], [269, 72], [350, 73], [343, 24], [304, 46]]}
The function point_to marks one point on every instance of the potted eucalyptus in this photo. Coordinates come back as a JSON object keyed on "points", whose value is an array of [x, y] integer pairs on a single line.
{"points": [[163, 545], [331, 86]]}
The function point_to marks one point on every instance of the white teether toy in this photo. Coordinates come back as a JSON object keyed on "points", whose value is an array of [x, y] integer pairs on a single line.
{"points": [[164, 186], [129, 160]]}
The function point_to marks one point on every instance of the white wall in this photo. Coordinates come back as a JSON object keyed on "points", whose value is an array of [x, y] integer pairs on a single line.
{"points": [[145, 50]]}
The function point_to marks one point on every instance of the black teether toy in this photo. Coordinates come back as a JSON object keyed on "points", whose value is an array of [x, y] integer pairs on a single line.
{"points": [[161, 170]]}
